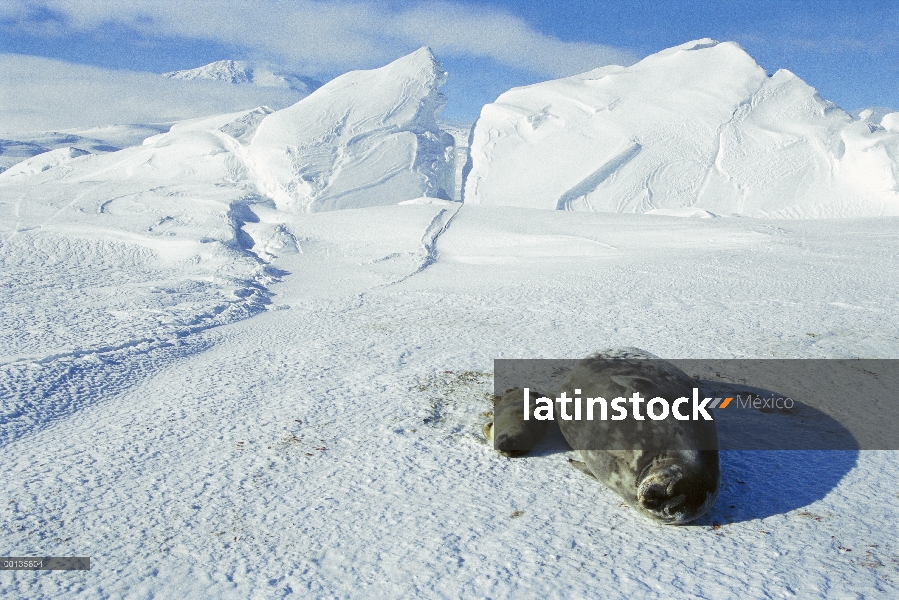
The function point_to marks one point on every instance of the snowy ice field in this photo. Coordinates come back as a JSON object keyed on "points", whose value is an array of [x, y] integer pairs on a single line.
{"points": [[215, 386]]}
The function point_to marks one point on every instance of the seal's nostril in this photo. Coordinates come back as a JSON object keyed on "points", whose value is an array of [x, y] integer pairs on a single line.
{"points": [[653, 496], [659, 490]]}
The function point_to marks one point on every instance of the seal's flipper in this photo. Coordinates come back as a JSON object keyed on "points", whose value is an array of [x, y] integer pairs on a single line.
{"points": [[582, 467], [512, 432], [488, 432]]}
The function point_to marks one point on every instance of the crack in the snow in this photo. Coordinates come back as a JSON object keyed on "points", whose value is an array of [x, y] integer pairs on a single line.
{"points": [[435, 229]]}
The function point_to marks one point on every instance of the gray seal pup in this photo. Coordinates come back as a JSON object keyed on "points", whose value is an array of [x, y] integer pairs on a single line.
{"points": [[666, 469], [510, 433]]}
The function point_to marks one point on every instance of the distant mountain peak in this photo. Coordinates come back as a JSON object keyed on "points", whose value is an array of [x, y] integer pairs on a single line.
{"points": [[245, 72]]}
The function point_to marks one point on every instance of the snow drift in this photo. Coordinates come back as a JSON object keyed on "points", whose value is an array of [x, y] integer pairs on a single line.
{"points": [[365, 138], [43, 162], [699, 125], [15, 148]]}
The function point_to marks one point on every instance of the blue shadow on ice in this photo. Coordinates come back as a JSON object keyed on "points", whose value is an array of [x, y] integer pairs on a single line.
{"points": [[756, 484], [776, 461], [759, 483]]}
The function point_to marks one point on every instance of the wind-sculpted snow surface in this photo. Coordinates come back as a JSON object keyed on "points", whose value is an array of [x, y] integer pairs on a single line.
{"points": [[17, 149], [43, 161], [696, 126], [115, 258], [366, 138], [333, 448]]}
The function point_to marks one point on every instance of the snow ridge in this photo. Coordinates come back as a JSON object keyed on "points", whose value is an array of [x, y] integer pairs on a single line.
{"points": [[366, 138], [43, 162], [437, 227], [714, 132]]}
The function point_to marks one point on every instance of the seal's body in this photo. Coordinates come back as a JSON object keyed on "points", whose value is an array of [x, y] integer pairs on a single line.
{"points": [[510, 433], [667, 469]]}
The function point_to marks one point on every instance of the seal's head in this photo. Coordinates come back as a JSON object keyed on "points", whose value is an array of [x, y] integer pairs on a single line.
{"points": [[505, 444], [512, 435], [679, 487]]}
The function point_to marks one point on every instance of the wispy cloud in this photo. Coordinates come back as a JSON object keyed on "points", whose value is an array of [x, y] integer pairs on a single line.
{"points": [[41, 94], [322, 37]]}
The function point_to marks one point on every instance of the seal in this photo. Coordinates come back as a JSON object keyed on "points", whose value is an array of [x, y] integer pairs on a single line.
{"points": [[666, 469], [514, 435]]}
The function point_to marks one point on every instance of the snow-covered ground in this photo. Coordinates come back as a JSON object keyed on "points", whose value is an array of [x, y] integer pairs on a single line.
{"points": [[216, 395]]}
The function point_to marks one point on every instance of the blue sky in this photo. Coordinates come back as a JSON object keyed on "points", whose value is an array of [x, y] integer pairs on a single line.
{"points": [[849, 51]]}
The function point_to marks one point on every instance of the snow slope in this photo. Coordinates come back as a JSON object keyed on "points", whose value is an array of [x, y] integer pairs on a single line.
{"points": [[183, 212], [44, 161], [239, 71], [170, 210], [696, 126], [363, 139]]}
